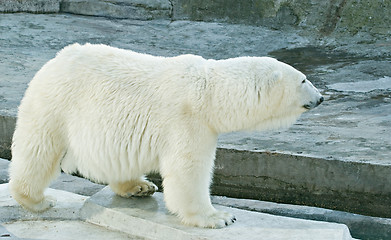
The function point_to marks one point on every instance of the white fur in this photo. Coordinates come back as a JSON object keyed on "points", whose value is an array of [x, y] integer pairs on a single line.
{"points": [[114, 115]]}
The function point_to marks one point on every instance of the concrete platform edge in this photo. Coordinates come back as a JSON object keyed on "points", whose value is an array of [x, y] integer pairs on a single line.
{"points": [[149, 218], [105, 209], [99, 215]]}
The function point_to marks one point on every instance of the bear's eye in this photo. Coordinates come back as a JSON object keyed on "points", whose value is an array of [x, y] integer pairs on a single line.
{"points": [[303, 81]]}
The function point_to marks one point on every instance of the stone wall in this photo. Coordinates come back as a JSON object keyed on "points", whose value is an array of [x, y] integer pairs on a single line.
{"points": [[7, 127], [34, 6], [317, 16], [325, 17]]}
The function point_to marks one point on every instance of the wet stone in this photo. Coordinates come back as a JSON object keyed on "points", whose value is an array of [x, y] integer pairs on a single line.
{"points": [[363, 86]]}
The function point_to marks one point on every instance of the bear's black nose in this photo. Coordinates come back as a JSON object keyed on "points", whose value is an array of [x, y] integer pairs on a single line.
{"points": [[321, 99]]}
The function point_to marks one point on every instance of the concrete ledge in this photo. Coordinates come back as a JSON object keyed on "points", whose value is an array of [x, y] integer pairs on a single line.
{"points": [[149, 218], [60, 222], [361, 188], [361, 227], [67, 207], [356, 187], [58, 229]]}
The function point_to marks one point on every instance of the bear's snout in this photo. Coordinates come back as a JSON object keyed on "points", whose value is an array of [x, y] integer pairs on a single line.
{"points": [[312, 105], [321, 99]]}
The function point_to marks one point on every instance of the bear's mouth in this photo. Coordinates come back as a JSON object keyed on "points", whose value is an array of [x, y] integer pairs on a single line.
{"points": [[312, 105]]}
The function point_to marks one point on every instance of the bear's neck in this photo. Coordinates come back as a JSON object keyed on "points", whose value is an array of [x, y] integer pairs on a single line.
{"points": [[229, 100]]}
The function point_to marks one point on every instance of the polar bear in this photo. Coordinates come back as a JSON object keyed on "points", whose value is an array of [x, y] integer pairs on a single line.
{"points": [[114, 115]]}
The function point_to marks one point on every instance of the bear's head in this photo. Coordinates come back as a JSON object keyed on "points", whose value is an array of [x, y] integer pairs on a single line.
{"points": [[297, 92], [285, 94], [256, 93]]}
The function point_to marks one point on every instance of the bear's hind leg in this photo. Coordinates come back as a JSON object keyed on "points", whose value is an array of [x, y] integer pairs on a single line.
{"points": [[35, 163], [134, 188]]}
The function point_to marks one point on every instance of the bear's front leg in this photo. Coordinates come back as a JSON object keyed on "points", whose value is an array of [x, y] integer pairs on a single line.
{"points": [[186, 192]]}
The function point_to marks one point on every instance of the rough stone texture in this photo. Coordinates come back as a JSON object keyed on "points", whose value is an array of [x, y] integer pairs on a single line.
{"points": [[7, 126], [261, 12], [373, 17], [131, 9], [322, 17], [368, 19], [33, 6]]}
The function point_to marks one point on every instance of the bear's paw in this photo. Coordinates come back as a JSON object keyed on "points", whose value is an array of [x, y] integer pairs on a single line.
{"points": [[218, 219], [45, 204], [140, 188]]}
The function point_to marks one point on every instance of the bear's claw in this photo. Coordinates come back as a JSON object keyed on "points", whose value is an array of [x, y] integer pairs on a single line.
{"points": [[140, 188]]}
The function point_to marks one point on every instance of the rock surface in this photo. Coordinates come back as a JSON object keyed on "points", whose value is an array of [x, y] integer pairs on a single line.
{"points": [[147, 218]]}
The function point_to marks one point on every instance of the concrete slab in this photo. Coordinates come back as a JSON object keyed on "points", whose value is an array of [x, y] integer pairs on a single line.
{"points": [[67, 207], [60, 229], [145, 218], [149, 218], [76, 185], [63, 221], [287, 178], [360, 226]]}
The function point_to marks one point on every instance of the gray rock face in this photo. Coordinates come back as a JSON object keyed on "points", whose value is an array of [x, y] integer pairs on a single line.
{"points": [[33, 6], [324, 17], [130, 9], [367, 19]]}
